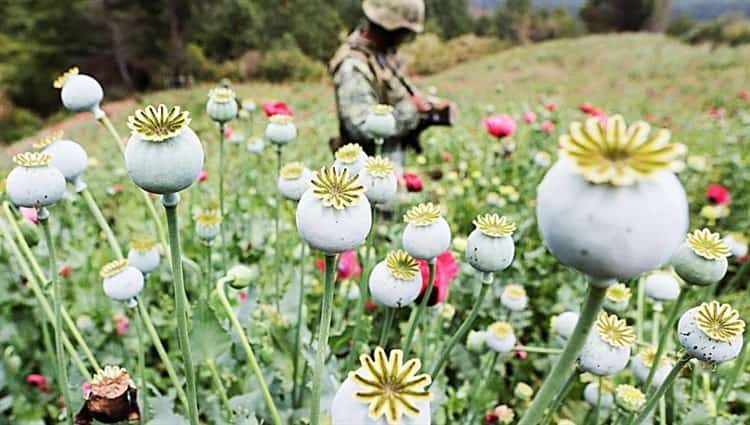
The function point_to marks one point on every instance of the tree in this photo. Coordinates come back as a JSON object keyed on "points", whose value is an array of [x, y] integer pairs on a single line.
{"points": [[616, 15], [451, 17]]}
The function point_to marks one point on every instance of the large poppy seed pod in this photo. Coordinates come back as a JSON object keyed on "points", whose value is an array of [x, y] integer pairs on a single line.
{"points": [[67, 156], [222, 105], [711, 332], [385, 390], [607, 348], [334, 215], [475, 341], [702, 258], [144, 255], [349, 290], [111, 398], [737, 244], [642, 363], [592, 397], [80, 92], [281, 129], [617, 298], [396, 281], [380, 122], [514, 298], [34, 183], [490, 246], [350, 157], [661, 286], [564, 324], [379, 180], [611, 207], [163, 154], [207, 224], [500, 337], [121, 282], [294, 180], [629, 397], [427, 234]]}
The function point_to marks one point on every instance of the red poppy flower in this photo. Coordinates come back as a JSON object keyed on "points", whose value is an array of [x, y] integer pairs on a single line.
{"points": [[202, 176], [587, 108], [39, 381], [446, 157], [491, 418], [348, 266], [743, 95], [548, 127], [276, 108], [65, 271], [500, 125], [718, 194], [228, 131], [412, 182], [370, 306], [446, 269], [551, 106]]}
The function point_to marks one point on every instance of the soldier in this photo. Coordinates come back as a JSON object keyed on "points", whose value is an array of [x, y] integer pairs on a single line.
{"points": [[367, 71]]}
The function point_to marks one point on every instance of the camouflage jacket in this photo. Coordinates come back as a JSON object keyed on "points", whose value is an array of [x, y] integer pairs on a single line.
{"points": [[362, 78]]}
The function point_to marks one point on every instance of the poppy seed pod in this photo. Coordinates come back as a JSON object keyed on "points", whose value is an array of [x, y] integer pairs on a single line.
{"points": [[617, 298], [514, 298], [711, 332], [294, 180], [500, 337], [607, 348], [111, 398], [121, 282], [629, 397], [592, 397], [350, 157], [242, 276], [396, 281], [702, 258], [281, 129], [334, 215], [475, 340], [222, 105], [613, 183], [380, 122], [642, 363], [427, 234], [661, 286], [67, 156], [163, 154], [379, 180], [34, 183], [249, 105], [384, 390], [207, 224], [144, 255], [564, 324], [80, 92], [490, 247]]}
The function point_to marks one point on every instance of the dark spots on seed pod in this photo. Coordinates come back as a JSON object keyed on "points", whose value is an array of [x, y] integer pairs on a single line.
{"points": [[584, 253], [695, 347]]}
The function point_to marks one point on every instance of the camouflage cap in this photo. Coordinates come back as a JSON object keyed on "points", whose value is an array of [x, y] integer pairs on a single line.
{"points": [[395, 14]]}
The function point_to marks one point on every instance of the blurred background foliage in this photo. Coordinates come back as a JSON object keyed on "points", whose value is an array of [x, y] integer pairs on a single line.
{"points": [[143, 45]]}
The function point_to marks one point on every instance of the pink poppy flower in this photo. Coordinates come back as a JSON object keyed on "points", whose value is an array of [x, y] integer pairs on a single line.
{"points": [[529, 117], [743, 95], [122, 323], [348, 266], [39, 381], [551, 106], [30, 215], [520, 354], [446, 269], [86, 390], [276, 108], [548, 127], [446, 157], [412, 182], [718, 194], [203, 176], [228, 131], [242, 296], [587, 108], [501, 125], [65, 271]]}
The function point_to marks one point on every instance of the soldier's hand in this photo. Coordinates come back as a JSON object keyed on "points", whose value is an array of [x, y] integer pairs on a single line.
{"points": [[421, 103]]}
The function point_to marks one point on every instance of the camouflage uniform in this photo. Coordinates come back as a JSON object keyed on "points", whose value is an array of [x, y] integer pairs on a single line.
{"points": [[363, 78]]}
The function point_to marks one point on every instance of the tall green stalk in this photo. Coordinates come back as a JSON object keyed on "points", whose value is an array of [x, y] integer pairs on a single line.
{"points": [[566, 362], [170, 202], [102, 222], [465, 326], [654, 399], [277, 244], [660, 348], [324, 329], [142, 370], [247, 347], [387, 324], [560, 397], [220, 388], [419, 311], [300, 320], [62, 364], [739, 367]]}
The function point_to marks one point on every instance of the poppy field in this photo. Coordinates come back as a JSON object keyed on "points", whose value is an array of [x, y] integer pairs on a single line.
{"points": [[574, 250]]}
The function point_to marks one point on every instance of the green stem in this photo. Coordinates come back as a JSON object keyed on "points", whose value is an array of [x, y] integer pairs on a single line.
{"points": [[102, 222], [300, 321], [539, 350], [655, 327], [386, 329], [465, 326], [248, 349], [170, 202], [325, 326], [142, 370], [652, 401], [739, 367], [417, 313], [364, 290], [599, 387], [277, 244], [163, 356], [641, 305], [224, 243], [209, 273], [560, 397], [219, 388], [104, 120], [708, 395], [62, 364], [566, 362], [660, 348], [487, 370], [379, 146]]}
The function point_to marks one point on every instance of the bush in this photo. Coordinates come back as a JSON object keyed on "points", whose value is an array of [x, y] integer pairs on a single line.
{"points": [[429, 54], [284, 64], [16, 123], [731, 30]]}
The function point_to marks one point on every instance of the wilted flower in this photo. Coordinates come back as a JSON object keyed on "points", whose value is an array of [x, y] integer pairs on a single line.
{"points": [[122, 323], [34, 183], [412, 182], [587, 108], [202, 176], [607, 349], [445, 270], [111, 398], [701, 259], [396, 281], [30, 215], [500, 125], [711, 332], [718, 194], [350, 157], [427, 234], [743, 95], [275, 108]]}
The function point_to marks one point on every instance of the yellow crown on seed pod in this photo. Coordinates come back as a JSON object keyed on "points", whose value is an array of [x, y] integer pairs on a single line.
{"points": [[48, 139], [60, 80], [208, 217], [630, 397], [402, 265], [515, 292], [648, 355], [614, 331], [158, 123], [719, 321], [32, 159], [112, 268], [501, 329], [378, 166], [611, 152], [349, 153], [422, 214], [335, 188], [708, 245], [142, 244], [292, 170], [221, 95], [381, 109], [389, 386], [494, 225], [618, 293]]}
